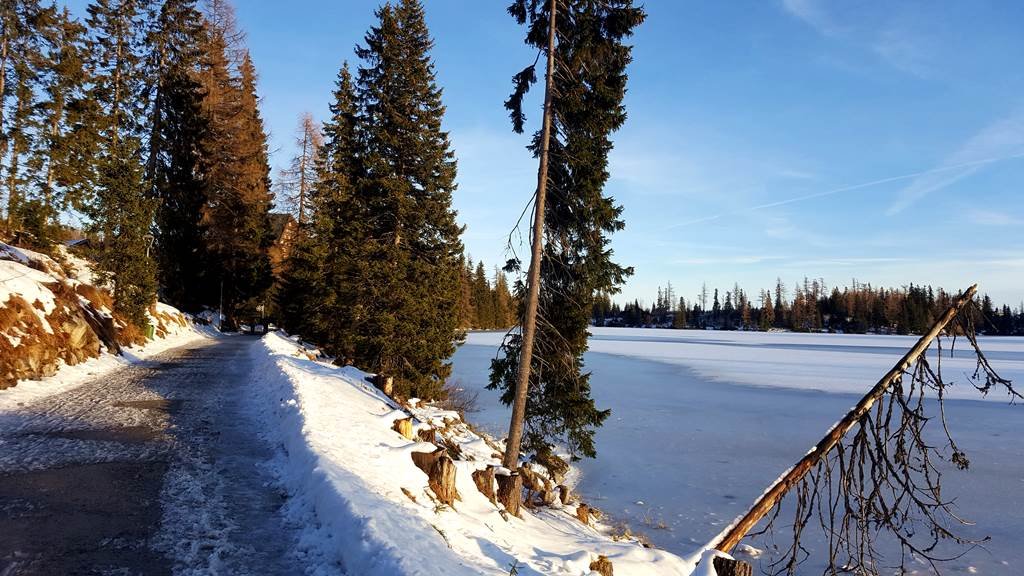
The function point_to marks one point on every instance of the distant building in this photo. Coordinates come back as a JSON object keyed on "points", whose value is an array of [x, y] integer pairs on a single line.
{"points": [[283, 228]]}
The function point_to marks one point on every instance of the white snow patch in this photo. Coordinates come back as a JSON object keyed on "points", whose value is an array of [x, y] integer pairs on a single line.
{"points": [[346, 469]]}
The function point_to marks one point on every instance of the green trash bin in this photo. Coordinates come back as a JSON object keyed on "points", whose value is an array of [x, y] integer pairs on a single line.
{"points": [[150, 331]]}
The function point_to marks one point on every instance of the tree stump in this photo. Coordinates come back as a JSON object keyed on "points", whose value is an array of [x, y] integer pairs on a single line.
{"points": [[583, 513], [442, 480], [603, 566], [425, 460], [440, 471], [564, 494], [510, 492], [727, 567], [404, 427], [484, 480], [385, 384], [548, 497], [427, 435]]}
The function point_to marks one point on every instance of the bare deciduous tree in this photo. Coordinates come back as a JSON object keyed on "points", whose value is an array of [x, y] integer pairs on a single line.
{"points": [[295, 181]]}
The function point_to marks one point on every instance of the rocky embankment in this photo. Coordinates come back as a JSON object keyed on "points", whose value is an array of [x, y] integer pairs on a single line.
{"points": [[52, 313]]}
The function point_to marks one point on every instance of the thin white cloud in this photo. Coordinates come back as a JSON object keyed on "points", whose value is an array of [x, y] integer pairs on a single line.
{"points": [[1000, 140], [811, 12], [903, 43], [993, 218]]}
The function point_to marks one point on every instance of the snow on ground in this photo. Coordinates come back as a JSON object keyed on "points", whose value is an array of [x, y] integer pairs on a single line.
{"points": [[69, 377], [346, 470]]}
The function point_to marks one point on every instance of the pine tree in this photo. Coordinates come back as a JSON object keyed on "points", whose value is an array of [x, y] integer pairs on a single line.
{"points": [[179, 128], [19, 69], [314, 297], [483, 301], [406, 230], [236, 174], [503, 305], [586, 101], [121, 210], [56, 166]]}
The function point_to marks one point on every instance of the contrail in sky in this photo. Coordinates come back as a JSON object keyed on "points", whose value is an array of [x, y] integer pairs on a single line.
{"points": [[849, 188]]}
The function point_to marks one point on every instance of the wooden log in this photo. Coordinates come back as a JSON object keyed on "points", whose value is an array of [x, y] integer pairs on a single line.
{"points": [[603, 566], [727, 567], [510, 492], [729, 539], [484, 480], [404, 427]]}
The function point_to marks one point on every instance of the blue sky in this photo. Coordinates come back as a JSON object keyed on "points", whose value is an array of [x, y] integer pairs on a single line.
{"points": [[882, 141]]}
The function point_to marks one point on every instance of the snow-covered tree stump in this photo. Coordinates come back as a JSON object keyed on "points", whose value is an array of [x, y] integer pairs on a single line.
{"points": [[404, 427], [510, 492], [727, 567], [484, 480], [427, 435], [603, 566]]}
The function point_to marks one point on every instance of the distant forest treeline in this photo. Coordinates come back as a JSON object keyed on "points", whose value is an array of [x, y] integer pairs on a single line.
{"points": [[484, 304], [810, 307]]}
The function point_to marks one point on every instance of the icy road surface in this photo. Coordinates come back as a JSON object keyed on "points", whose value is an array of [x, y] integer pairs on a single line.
{"points": [[153, 469]]}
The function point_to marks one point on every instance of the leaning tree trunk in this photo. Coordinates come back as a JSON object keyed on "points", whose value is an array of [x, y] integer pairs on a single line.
{"points": [[726, 541], [515, 429]]}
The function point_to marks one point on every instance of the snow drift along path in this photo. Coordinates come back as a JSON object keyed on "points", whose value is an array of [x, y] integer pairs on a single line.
{"points": [[345, 470]]}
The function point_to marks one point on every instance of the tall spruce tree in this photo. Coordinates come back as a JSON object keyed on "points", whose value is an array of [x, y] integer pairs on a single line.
{"points": [[401, 212], [590, 60], [121, 209], [312, 296], [174, 163]]}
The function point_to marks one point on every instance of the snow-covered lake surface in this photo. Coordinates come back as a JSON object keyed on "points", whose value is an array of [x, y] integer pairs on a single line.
{"points": [[703, 421]]}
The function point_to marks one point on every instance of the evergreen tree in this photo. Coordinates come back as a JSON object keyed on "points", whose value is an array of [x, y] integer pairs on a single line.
{"points": [[312, 295], [236, 175], [483, 301], [504, 311], [589, 86], [19, 70], [401, 226], [56, 166], [179, 129], [121, 210]]}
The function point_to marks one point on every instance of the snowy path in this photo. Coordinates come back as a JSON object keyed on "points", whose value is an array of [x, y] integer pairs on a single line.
{"points": [[154, 469]]}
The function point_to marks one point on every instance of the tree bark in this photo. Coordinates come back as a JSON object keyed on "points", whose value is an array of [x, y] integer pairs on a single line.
{"points": [[510, 492], [730, 538], [727, 567], [484, 480], [515, 429]]}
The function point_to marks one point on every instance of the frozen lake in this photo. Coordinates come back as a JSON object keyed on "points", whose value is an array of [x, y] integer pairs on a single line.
{"points": [[702, 422]]}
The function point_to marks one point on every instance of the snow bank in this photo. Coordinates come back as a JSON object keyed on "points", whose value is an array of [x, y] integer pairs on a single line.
{"points": [[346, 469]]}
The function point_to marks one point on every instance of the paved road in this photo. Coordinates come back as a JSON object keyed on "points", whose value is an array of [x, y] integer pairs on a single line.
{"points": [[155, 469]]}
